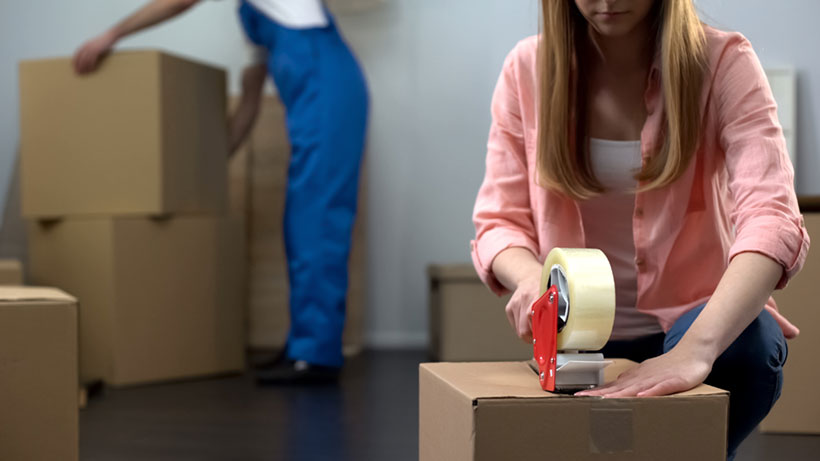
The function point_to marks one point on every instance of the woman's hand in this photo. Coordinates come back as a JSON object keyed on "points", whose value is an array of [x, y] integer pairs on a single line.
{"points": [[519, 308], [678, 370], [89, 55], [518, 270]]}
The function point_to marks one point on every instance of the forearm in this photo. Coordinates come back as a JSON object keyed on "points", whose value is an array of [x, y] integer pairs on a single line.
{"points": [[244, 117], [738, 300], [514, 265], [153, 13], [243, 120]]}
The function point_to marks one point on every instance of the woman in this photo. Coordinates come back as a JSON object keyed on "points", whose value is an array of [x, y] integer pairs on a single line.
{"points": [[325, 97], [629, 126]]}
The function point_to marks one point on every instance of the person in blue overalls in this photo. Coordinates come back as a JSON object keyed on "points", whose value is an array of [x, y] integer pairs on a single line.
{"points": [[326, 101]]}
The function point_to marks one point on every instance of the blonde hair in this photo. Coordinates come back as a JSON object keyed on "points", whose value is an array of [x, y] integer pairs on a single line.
{"points": [[563, 159]]}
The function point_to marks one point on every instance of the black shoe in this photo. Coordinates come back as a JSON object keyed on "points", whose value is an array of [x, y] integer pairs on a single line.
{"points": [[261, 361], [299, 372]]}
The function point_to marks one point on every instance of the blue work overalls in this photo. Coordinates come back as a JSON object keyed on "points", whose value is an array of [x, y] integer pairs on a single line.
{"points": [[326, 102]]}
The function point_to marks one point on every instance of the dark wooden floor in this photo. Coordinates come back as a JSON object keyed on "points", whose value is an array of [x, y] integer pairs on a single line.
{"points": [[371, 415]]}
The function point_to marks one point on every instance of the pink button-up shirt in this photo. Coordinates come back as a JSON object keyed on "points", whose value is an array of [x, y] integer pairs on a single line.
{"points": [[737, 194]]}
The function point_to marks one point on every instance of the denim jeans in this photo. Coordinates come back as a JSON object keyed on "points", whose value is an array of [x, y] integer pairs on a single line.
{"points": [[751, 368]]}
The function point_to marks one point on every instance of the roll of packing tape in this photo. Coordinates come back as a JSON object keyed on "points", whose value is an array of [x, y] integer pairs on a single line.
{"points": [[586, 300]]}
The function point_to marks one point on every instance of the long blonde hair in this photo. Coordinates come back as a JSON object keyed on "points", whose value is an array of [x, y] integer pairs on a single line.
{"points": [[563, 159]]}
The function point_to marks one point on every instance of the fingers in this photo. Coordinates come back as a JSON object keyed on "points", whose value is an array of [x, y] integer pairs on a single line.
{"points": [[601, 390], [510, 311], [524, 327], [84, 61]]}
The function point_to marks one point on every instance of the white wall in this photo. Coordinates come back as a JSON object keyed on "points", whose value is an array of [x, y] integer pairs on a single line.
{"points": [[432, 65]]}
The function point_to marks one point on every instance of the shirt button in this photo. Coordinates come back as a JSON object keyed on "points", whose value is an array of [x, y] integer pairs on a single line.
{"points": [[639, 212], [640, 262]]}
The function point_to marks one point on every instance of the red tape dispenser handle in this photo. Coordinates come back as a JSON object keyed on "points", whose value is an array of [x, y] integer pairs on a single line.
{"points": [[545, 336]]}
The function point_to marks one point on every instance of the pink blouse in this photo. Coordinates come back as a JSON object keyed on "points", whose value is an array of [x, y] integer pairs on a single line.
{"points": [[737, 194]]}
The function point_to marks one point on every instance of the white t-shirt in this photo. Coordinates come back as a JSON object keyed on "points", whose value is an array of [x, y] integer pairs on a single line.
{"points": [[296, 14], [608, 226]]}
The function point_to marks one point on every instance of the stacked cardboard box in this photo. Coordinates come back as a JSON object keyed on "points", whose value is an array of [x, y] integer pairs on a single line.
{"points": [[11, 272], [124, 181], [268, 293], [467, 321], [798, 409], [38, 374]]}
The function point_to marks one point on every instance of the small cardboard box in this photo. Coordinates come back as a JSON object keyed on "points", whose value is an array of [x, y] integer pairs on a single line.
{"points": [[467, 321], [798, 409], [145, 134], [161, 299], [497, 410], [38, 375], [11, 272]]}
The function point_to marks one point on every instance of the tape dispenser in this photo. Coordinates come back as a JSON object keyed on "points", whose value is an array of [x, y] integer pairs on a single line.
{"points": [[573, 317]]}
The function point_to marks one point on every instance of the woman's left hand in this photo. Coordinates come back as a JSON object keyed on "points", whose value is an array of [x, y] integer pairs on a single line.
{"points": [[678, 370]]}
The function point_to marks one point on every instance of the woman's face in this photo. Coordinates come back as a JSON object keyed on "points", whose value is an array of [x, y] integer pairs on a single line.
{"points": [[614, 18]]}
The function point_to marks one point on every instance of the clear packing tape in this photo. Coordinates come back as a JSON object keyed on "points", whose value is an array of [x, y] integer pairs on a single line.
{"points": [[586, 289]]}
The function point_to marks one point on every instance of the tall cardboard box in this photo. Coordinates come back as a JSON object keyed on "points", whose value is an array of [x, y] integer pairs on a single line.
{"points": [[145, 134], [467, 321], [11, 272], [161, 299], [268, 289], [497, 410], [38, 375], [798, 409]]}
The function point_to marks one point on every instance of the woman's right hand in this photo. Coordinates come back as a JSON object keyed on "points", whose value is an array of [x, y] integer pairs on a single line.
{"points": [[519, 308], [519, 271], [89, 55]]}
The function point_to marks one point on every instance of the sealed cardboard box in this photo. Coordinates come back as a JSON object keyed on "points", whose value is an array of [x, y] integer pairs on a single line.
{"points": [[798, 409], [161, 299], [467, 321], [145, 134], [38, 375], [11, 272], [497, 410]]}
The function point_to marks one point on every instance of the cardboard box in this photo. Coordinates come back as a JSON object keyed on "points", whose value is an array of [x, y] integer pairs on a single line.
{"points": [[38, 375], [145, 134], [798, 409], [268, 289], [467, 321], [160, 299], [497, 410], [11, 272]]}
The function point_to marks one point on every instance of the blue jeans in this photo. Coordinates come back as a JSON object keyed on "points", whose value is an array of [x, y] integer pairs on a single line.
{"points": [[751, 369], [326, 102]]}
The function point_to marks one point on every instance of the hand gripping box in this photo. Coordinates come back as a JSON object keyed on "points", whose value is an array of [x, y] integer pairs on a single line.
{"points": [[475, 411], [144, 134]]}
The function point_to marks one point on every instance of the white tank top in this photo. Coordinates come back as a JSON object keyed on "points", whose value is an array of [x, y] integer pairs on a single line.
{"points": [[296, 14], [607, 221]]}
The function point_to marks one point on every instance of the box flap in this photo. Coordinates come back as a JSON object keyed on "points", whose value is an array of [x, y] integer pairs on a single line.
{"points": [[9, 294], [494, 380], [451, 272]]}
